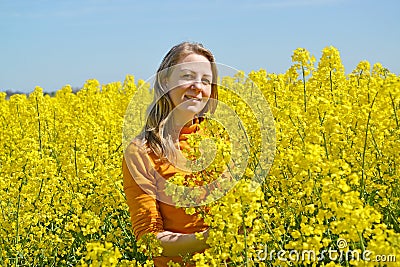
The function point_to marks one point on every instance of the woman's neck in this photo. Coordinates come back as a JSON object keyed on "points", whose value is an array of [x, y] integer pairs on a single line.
{"points": [[181, 121]]}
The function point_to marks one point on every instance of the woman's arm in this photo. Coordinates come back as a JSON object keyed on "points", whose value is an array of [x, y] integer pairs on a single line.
{"points": [[176, 244], [144, 210]]}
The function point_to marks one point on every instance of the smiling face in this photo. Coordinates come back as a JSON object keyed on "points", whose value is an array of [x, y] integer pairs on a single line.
{"points": [[189, 87]]}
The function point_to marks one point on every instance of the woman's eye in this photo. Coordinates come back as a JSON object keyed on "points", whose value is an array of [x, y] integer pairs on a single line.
{"points": [[206, 81], [188, 76]]}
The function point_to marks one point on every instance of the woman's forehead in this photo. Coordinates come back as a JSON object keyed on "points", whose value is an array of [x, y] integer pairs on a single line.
{"points": [[194, 66]]}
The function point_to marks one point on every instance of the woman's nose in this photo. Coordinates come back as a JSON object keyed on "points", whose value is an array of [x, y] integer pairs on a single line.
{"points": [[197, 85]]}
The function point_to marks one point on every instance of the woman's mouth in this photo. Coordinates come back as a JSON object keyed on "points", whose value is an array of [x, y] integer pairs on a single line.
{"points": [[189, 97]]}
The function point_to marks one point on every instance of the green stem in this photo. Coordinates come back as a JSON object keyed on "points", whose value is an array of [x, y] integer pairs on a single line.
{"points": [[361, 241], [362, 187], [75, 159], [244, 234], [359, 77], [39, 193], [54, 126], [275, 97], [18, 207], [20, 123], [40, 133], [297, 129], [270, 231], [331, 84], [375, 143], [304, 89], [17, 218], [325, 146], [394, 110]]}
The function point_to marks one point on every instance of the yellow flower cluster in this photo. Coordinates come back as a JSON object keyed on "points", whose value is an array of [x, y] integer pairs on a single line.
{"points": [[101, 255], [62, 201], [333, 184]]}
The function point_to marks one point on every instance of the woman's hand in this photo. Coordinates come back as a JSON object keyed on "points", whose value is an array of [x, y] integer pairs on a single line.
{"points": [[177, 244]]}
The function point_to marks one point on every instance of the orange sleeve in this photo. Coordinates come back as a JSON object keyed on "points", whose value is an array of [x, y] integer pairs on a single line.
{"points": [[141, 191]]}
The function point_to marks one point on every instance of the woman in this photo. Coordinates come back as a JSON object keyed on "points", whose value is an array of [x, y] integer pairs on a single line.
{"points": [[185, 83]]}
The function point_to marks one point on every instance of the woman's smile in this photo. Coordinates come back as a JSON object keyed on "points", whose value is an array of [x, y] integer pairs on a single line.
{"points": [[195, 98]]}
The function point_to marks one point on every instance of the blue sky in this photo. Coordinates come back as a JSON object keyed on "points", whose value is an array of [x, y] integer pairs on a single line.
{"points": [[51, 43]]}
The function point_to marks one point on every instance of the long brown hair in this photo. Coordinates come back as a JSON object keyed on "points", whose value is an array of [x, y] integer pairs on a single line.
{"points": [[162, 105]]}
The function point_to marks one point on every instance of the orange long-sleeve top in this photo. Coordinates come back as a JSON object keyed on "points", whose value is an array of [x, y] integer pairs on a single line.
{"points": [[144, 179]]}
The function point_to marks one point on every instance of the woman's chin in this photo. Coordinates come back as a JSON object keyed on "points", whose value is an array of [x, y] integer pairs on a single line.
{"points": [[191, 108]]}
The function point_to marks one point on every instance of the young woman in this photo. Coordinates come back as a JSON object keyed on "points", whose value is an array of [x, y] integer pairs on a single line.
{"points": [[185, 83]]}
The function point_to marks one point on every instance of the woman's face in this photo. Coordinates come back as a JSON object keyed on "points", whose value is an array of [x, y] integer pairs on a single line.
{"points": [[189, 86]]}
